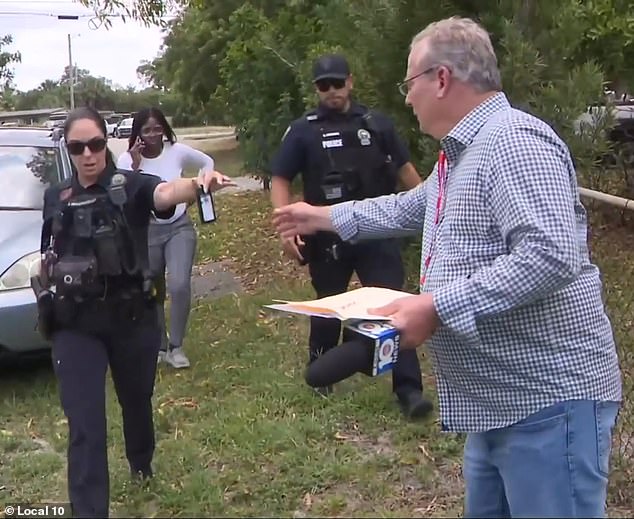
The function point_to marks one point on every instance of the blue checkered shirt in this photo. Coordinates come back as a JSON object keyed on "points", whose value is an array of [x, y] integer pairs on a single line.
{"points": [[523, 324]]}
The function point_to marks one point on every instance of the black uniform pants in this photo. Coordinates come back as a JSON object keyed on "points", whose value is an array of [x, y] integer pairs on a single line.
{"points": [[80, 361], [377, 263]]}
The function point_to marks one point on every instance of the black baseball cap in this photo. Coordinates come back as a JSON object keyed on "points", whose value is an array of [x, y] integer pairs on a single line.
{"points": [[330, 66]]}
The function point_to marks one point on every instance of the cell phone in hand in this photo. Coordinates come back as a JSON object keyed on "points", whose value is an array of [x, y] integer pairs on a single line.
{"points": [[206, 206]]}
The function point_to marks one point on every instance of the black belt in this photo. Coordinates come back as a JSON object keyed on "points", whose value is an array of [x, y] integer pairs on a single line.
{"points": [[101, 313]]}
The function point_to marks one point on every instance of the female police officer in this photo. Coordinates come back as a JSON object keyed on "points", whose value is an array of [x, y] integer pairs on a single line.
{"points": [[94, 241]]}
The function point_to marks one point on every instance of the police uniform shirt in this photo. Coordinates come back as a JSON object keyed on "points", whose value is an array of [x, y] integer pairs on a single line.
{"points": [[298, 148], [139, 189]]}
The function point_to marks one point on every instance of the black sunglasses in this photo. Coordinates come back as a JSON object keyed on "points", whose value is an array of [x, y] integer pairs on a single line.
{"points": [[323, 85], [94, 145]]}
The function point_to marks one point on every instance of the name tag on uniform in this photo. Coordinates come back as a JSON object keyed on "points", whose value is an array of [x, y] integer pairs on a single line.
{"points": [[334, 143], [333, 192]]}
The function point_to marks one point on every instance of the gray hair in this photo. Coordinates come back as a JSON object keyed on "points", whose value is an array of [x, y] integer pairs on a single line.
{"points": [[463, 46]]}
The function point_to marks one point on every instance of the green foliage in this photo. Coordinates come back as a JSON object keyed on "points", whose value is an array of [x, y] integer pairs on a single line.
{"points": [[541, 68], [263, 65], [539, 76], [7, 98], [249, 63], [88, 91], [6, 59], [608, 36], [150, 12]]}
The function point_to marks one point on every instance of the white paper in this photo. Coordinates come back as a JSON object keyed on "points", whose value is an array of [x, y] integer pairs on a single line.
{"points": [[349, 305]]}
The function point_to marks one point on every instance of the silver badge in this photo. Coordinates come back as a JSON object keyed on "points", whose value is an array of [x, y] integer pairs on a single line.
{"points": [[364, 137]]}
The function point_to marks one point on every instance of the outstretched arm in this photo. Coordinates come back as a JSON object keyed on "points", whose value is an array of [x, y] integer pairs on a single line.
{"points": [[184, 190], [374, 218]]}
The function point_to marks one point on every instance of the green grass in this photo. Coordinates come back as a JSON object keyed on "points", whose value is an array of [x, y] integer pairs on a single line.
{"points": [[239, 433]]}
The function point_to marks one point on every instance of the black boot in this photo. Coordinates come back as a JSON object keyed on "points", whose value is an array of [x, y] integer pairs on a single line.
{"points": [[415, 406], [141, 476], [324, 391]]}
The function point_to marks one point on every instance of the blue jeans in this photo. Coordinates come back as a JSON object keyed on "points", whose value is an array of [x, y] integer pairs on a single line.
{"points": [[553, 463]]}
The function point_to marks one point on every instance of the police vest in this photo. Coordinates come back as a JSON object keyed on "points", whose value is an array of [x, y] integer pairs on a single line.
{"points": [[95, 246], [349, 161]]}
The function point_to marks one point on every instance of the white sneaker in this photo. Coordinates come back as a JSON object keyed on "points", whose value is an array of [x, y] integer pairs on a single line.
{"points": [[176, 358], [161, 356]]}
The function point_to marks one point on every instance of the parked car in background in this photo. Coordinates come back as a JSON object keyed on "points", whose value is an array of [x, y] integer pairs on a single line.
{"points": [[110, 128], [112, 121], [54, 123], [31, 159], [620, 134], [124, 128]]}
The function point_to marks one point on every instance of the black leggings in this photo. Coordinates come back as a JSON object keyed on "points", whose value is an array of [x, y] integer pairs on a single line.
{"points": [[80, 361]]}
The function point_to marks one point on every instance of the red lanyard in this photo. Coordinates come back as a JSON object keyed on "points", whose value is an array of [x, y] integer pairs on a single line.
{"points": [[440, 203]]}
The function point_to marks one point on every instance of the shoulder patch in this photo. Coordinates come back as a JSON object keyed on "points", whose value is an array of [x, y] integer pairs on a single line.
{"points": [[65, 194], [131, 173], [60, 192], [143, 175]]}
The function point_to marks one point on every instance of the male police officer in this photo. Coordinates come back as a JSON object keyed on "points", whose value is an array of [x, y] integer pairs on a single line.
{"points": [[344, 151]]}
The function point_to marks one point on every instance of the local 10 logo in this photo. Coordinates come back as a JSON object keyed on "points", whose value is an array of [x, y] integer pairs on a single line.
{"points": [[386, 353]]}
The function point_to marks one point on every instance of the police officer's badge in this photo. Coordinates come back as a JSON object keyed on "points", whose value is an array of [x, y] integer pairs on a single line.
{"points": [[364, 137]]}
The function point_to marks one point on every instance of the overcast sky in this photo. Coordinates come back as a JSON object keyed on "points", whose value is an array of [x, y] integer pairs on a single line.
{"points": [[114, 53]]}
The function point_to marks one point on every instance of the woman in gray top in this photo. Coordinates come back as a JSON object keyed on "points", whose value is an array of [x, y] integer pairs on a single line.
{"points": [[172, 242]]}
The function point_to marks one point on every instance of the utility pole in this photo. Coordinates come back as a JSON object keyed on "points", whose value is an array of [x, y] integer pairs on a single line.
{"points": [[71, 75]]}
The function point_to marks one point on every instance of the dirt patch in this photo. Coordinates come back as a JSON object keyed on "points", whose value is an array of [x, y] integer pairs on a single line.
{"points": [[380, 446], [214, 280], [427, 488], [244, 183], [442, 496], [43, 446], [409, 497]]}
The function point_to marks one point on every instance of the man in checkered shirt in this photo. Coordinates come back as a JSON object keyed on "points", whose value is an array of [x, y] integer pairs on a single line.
{"points": [[510, 304]]}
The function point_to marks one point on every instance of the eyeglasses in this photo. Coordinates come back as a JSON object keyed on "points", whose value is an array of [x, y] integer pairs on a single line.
{"points": [[153, 130], [323, 85], [94, 145], [403, 87]]}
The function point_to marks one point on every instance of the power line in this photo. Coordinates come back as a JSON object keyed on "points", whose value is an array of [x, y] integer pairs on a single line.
{"points": [[85, 15], [33, 13]]}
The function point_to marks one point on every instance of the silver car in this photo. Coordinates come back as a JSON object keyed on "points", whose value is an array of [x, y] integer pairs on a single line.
{"points": [[124, 128], [31, 159]]}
